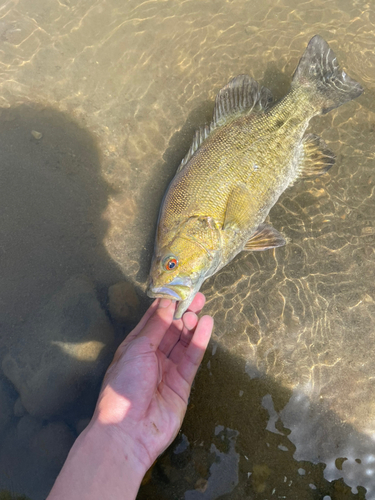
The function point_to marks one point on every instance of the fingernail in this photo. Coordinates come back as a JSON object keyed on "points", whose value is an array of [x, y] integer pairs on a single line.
{"points": [[164, 303]]}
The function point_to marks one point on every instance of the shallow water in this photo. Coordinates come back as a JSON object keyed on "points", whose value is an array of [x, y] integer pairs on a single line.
{"points": [[283, 406]]}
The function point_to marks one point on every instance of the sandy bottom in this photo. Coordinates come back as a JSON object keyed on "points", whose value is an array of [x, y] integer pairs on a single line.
{"points": [[99, 102]]}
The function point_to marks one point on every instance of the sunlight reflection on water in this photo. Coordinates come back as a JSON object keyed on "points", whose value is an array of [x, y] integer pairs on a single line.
{"points": [[117, 92]]}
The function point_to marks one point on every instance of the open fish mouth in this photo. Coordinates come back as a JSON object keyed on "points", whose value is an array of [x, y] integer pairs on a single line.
{"points": [[178, 289]]}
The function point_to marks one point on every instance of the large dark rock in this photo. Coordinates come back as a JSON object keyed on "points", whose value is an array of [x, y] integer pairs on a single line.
{"points": [[32, 454], [65, 350], [123, 303], [7, 400]]}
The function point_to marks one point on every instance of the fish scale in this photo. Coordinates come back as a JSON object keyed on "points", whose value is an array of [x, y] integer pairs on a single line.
{"points": [[237, 168], [221, 160]]}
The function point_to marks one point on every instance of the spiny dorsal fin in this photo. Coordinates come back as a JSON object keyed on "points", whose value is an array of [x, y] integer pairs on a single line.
{"points": [[317, 158], [241, 95], [200, 135], [265, 238]]}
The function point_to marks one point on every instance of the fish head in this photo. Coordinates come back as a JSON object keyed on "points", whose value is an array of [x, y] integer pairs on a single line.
{"points": [[177, 273], [179, 268]]}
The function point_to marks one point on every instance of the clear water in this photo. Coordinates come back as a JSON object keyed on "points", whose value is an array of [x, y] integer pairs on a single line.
{"points": [[284, 405]]}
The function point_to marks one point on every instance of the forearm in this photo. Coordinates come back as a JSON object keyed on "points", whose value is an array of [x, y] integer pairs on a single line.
{"points": [[97, 468]]}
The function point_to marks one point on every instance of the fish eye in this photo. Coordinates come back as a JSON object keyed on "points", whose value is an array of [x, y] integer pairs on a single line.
{"points": [[170, 263]]}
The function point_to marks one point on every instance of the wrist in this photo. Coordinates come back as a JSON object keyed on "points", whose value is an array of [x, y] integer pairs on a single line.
{"points": [[123, 445], [123, 436], [122, 448], [99, 466]]}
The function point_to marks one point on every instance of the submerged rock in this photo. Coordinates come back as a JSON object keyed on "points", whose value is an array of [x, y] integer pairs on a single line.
{"points": [[37, 135], [65, 350], [123, 302], [7, 495], [7, 399], [32, 453], [19, 410]]}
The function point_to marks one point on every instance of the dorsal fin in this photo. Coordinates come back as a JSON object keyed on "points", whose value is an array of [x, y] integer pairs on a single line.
{"points": [[200, 135], [242, 95]]}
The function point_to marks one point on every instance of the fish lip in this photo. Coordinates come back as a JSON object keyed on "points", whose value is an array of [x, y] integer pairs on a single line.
{"points": [[181, 282], [162, 292], [178, 289]]}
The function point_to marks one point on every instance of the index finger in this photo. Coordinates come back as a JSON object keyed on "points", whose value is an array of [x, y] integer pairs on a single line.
{"points": [[158, 324], [144, 320]]}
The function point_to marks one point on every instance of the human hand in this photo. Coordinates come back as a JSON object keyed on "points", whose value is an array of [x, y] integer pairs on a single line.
{"points": [[145, 391]]}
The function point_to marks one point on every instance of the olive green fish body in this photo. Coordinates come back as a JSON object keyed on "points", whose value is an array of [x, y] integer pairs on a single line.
{"points": [[259, 152], [237, 169]]}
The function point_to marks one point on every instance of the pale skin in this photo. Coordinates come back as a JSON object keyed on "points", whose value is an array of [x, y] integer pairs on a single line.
{"points": [[141, 405]]}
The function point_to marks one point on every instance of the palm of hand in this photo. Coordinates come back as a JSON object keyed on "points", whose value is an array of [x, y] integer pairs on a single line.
{"points": [[146, 388]]}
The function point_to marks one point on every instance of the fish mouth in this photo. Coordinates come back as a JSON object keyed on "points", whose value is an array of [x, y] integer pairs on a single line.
{"points": [[182, 290], [178, 289]]}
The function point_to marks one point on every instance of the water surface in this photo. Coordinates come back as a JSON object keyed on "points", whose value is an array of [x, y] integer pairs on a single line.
{"points": [[283, 406]]}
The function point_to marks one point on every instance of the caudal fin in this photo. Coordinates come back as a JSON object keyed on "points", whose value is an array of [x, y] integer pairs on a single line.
{"points": [[319, 72]]}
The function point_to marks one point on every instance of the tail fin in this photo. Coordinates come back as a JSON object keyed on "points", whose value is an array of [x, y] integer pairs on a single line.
{"points": [[319, 72]]}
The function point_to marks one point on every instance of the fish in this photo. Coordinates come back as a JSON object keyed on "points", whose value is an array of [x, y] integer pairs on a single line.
{"points": [[237, 168]]}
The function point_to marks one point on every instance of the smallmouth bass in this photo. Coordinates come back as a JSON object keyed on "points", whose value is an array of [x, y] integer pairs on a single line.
{"points": [[236, 170]]}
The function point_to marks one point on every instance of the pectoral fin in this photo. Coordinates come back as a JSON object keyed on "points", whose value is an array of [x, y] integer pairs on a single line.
{"points": [[238, 208], [265, 238], [237, 218], [317, 159]]}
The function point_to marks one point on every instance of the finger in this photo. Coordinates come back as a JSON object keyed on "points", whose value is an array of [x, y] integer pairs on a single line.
{"points": [[190, 321], [194, 353], [179, 348], [152, 310], [170, 339], [181, 328], [159, 323], [147, 315], [175, 341], [177, 331], [198, 302], [195, 307]]}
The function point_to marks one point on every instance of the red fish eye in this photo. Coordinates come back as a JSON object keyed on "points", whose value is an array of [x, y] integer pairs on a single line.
{"points": [[170, 264]]}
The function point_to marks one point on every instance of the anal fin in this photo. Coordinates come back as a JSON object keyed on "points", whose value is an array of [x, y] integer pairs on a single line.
{"points": [[265, 238], [317, 158]]}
